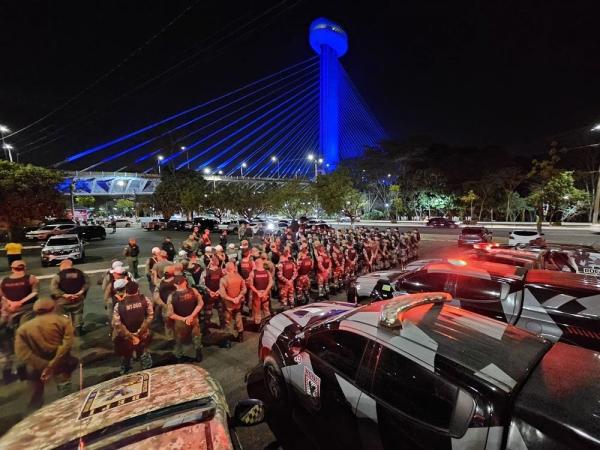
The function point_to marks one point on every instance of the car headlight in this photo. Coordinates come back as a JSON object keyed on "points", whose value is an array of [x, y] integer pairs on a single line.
{"points": [[270, 226]]}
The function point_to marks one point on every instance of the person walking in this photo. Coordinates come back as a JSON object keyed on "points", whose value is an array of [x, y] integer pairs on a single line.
{"points": [[183, 307], [131, 321], [69, 288], [113, 225], [44, 344], [132, 252], [232, 290], [14, 252]]}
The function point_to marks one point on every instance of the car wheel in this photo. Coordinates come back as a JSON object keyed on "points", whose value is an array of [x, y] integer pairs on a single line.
{"points": [[103, 237], [44, 263], [274, 382], [127, 225]]}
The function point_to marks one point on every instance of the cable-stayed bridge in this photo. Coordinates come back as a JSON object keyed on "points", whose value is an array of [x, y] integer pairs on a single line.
{"points": [[296, 122]]}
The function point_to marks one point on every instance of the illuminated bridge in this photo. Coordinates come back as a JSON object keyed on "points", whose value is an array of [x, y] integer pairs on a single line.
{"points": [[296, 122]]}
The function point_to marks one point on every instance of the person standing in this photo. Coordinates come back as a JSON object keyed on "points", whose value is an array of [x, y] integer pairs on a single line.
{"points": [[205, 239], [287, 273], [113, 225], [168, 247], [323, 271], [232, 290], [131, 321], [210, 283], [261, 283], [118, 274], [132, 252], [14, 250], [305, 267], [18, 293], [44, 344], [183, 307], [223, 239], [150, 263], [69, 288], [163, 289]]}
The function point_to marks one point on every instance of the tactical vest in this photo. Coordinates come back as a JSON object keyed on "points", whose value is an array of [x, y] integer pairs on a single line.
{"points": [[15, 289], [213, 278], [234, 285], [325, 261], [245, 268], [132, 311], [184, 302], [287, 269], [71, 280], [261, 279], [165, 288], [305, 266]]}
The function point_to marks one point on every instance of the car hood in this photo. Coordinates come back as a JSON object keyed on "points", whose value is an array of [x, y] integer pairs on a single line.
{"points": [[374, 276], [111, 402], [561, 398]]}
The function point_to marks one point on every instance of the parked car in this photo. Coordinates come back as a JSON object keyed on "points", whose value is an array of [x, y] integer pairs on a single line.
{"points": [[474, 235], [415, 372], [154, 224], [346, 219], [64, 246], [523, 237], [123, 223], [205, 223], [561, 306], [441, 222], [43, 233], [180, 225], [89, 232], [141, 410]]}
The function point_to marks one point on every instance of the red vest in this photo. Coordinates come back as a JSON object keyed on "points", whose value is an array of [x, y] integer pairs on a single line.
{"points": [[287, 269], [261, 279]]}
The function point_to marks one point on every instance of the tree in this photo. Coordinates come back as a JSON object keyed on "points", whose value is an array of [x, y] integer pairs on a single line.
{"points": [[335, 194], [85, 201], [220, 200], [124, 206], [396, 203], [510, 178], [468, 199], [181, 191], [541, 172], [28, 193], [250, 204], [292, 198], [558, 193]]}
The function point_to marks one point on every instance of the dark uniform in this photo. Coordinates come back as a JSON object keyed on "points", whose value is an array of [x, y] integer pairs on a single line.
{"points": [[305, 267], [132, 252], [161, 295], [211, 280], [70, 281], [131, 319], [245, 266], [183, 303]]}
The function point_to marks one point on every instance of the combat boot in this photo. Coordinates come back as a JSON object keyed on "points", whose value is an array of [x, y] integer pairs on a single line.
{"points": [[199, 355], [240, 337]]}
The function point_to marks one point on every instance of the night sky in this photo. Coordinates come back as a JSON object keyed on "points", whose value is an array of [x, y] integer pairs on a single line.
{"points": [[465, 73]]}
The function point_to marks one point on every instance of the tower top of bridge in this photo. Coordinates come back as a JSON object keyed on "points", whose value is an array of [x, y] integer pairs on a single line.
{"points": [[325, 32]]}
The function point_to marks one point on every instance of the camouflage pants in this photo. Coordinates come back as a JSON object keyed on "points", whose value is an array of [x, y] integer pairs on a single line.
{"points": [[8, 326], [209, 304], [184, 334], [323, 283], [72, 309], [62, 374], [303, 287], [260, 306], [286, 293], [338, 276], [233, 320]]}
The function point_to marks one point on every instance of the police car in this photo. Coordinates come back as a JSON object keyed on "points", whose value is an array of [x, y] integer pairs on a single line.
{"points": [[415, 372], [64, 246], [178, 406]]}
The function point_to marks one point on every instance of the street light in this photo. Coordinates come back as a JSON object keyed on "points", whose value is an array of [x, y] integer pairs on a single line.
{"points": [[187, 155], [159, 160], [276, 160], [206, 170], [316, 162], [220, 172], [596, 128], [242, 167], [8, 148]]}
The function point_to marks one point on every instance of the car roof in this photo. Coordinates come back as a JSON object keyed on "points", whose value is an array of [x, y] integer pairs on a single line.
{"points": [[476, 269], [110, 402], [563, 279], [482, 348]]}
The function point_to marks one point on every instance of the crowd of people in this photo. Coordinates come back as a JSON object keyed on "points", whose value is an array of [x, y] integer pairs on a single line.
{"points": [[186, 286]]}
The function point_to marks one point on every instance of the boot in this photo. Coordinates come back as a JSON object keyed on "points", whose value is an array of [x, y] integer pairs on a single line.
{"points": [[240, 337], [199, 355], [7, 376], [22, 372]]}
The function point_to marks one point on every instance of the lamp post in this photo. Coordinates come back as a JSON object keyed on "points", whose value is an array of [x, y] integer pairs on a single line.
{"points": [[242, 167], [159, 159], [316, 162], [596, 208], [8, 148], [187, 155], [4, 130], [274, 159]]}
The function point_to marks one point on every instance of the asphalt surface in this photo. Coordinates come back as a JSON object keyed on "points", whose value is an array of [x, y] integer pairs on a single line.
{"points": [[232, 367]]}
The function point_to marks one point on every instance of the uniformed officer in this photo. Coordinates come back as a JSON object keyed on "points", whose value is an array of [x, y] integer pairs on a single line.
{"points": [[287, 273], [118, 273], [69, 288], [232, 290], [158, 269], [150, 262], [261, 283], [132, 253], [323, 271], [245, 266], [305, 267], [183, 307], [337, 273], [163, 289], [18, 293], [210, 283], [44, 344], [351, 257], [132, 316]]}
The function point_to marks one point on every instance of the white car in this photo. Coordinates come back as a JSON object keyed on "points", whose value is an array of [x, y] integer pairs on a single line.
{"points": [[523, 237], [124, 223], [46, 231], [64, 246]]}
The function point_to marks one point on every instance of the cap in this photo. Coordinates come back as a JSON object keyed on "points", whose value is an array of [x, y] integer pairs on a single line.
{"points": [[43, 305], [182, 253], [120, 284], [179, 279], [207, 249], [120, 270], [231, 246], [155, 250], [116, 264], [219, 248], [244, 244], [132, 287]]}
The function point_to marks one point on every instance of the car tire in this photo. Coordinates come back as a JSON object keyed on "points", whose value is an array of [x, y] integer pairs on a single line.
{"points": [[275, 386], [103, 237], [44, 263], [127, 225]]}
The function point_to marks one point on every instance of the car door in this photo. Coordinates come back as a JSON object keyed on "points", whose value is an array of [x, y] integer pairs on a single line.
{"points": [[413, 407], [423, 281], [489, 297], [329, 392]]}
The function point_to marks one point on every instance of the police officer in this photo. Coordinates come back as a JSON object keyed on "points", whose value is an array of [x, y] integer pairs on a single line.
{"points": [[183, 307], [168, 247], [245, 266], [210, 282], [132, 252], [305, 267], [69, 288], [158, 270], [323, 271], [163, 289], [232, 290], [131, 321], [261, 283], [117, 274], [150, 262], [287, 273], [18, 293], [44, 344]]}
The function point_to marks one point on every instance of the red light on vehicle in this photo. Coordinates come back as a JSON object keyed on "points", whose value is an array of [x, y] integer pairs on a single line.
{"points": [[482, 246]]}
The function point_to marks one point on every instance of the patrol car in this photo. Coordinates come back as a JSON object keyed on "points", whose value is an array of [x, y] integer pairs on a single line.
{"points": [[415, 372], [178, 406]]}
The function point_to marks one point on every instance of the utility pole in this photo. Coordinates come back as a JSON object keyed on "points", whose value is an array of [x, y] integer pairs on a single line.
{"points": [[72, 192]]}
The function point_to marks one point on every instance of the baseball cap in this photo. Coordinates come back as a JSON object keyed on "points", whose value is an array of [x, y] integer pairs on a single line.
{"points": [[231, 246], [120, 284], [43, 305], [207, 249], [155, 250], [132, 287], [182, 253], [244, 244], [119, 269], [219, 248]]}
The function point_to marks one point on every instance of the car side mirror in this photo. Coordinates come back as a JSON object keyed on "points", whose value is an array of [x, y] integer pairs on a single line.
{"points": [[297, 345], [249, 412]]}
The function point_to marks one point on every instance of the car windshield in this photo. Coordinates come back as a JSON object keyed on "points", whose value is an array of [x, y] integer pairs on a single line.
{"points": [[63, 241], [472, 230], [525, 233], [48, 228], [142, 427]]}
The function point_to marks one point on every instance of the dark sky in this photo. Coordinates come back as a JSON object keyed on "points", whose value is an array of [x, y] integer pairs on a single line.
{"points": [[466, 73]]}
